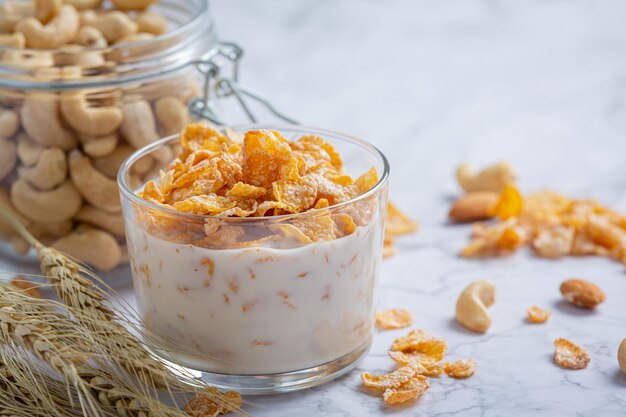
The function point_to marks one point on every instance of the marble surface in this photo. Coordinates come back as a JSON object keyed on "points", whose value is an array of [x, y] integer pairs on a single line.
{"points": [[432, 83]]}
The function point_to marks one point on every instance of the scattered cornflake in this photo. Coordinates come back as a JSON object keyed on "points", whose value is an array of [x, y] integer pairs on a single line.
{"points": [[410, 390], [424, 364], [391, 380], [204, 404], [419, 355], [28, 287], [397, 224], [500, 239], [552, 224], [423, 342], [569, 355], [395, 318], [463, 368], [509, 204], [538, 315], [389, 249]]}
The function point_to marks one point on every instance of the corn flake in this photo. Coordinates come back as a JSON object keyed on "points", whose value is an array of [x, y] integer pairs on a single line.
{"points": [[569, 355], [422, 342], [509, 204], [395, 318], [410, 390], [538, 315], [461, 369], [204, 404], [398, 223]]}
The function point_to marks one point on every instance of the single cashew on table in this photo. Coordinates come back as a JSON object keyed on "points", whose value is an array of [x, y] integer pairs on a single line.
{"points": [[60, 149], [471, 307]]}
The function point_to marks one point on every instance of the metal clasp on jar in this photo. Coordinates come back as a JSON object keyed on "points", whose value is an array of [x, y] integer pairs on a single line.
{"points": [[218, 87]]}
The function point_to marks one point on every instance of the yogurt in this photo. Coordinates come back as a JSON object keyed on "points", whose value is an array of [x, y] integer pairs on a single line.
{"points": [[258, 310]]}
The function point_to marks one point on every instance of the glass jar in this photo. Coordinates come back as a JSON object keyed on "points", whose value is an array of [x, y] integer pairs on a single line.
{"points": [[70, 116], [253, 303]]}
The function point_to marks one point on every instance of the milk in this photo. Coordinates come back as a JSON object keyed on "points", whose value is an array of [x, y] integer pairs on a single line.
{"points": [[255, 311]]}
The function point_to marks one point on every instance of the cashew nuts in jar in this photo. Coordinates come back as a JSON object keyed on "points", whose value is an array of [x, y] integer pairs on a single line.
{"points": [[60, 148]]}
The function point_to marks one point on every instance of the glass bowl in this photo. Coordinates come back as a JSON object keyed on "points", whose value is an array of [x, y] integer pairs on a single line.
{"points": [[251, 303]]}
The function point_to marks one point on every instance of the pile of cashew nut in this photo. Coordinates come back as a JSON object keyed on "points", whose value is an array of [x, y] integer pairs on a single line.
{"points": [[60, 151]]}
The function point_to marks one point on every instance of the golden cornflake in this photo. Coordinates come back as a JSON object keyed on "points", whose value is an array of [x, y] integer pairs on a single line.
{"points": [[396, 318], [398, 223], [461, 369], [538, 315], [509, 204], [392, 380], [424, 364], [422, 342], [204, 405], [552, 224], [569, 355], [410, 390]]}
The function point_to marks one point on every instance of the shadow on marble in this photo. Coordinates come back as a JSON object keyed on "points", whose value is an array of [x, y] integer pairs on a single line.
{"points": [[454, 325], [567, 308], [619, 378]]}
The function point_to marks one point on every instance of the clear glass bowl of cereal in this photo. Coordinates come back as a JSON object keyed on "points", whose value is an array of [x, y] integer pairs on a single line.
{"points": [[255, 253]]}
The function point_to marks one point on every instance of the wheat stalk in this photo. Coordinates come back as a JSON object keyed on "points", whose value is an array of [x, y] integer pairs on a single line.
{"points": [[35, 326], [24, 388]]}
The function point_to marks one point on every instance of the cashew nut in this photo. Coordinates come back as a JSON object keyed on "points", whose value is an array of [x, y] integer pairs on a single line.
{"points": [[95, 187], [151, 23], [9, 123], [132, 4], [8, 157], [135, 37], [621, 356], [139, 126], [12, 12], [110, 164], [493, 178], [5, 203], [114, 25], [98, 146], [172, 115], [93, 121], [49, 171], [92, 246], [77, 55], [471, 307], [59, 31], [27, 59], [41, 120], [54, 230], [111, 222], [59, 73], [91, 37], [28, 150], [55, 206], [46, 10], [14, 40], [84, 4]]}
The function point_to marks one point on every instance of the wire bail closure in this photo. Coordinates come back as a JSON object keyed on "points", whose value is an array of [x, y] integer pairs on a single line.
{"points": [[216, 87]]}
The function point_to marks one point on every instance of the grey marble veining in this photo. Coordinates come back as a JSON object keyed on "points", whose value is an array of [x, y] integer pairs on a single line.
{"points": [[432, 83]]}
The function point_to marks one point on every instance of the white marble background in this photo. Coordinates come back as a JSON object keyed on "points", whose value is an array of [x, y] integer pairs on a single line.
{"points": [[432, 83], [541, 83]]}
